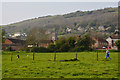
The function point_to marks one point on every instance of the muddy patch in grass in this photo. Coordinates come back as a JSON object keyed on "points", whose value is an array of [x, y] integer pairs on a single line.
{"points": [[61, 77], [104, 73], [16, 74], [77, 74]]}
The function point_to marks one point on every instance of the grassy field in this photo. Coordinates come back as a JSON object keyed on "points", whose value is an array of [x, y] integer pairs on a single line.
{"points": [[0, 65], [44, 65]]}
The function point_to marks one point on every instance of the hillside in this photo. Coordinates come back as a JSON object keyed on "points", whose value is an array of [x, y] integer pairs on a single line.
{"points": [[73, 23]]}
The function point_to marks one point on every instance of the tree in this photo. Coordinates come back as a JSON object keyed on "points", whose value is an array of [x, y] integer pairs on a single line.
{"points": [[117, 43], [85, 42], [2, 34], [75, 24], [92, 23], [61, 41], [51, 47], [64, 48], [36, 35], [71, 42]]}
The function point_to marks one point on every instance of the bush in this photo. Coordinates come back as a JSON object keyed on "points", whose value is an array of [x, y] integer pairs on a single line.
{"points": [[8, 49], [27, 50], [117, 43], [51, 47], [39, 49], [75, 49], [80, 49], [64, 48]]}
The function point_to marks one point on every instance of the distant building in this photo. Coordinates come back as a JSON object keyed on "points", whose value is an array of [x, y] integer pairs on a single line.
{"points": [[18, 34], [54, 36], [100, 43], [41, 43], [68, 30], [91, 28], [107, 28], [112, 39], [80, 29], [101, 28], [45, 43], [15, 44]]}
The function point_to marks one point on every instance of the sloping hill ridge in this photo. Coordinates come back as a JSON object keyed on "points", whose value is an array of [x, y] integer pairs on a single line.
{"points": [[103, 17]]}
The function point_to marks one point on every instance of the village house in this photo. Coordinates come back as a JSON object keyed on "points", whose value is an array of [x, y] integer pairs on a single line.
{"points": [[80, 29], [101, 28], [17, 35], [45, 43], [42, 43], [91, 28], [107, 28], [14, 44], [54, 36], [100, 43], [112, 39], [68, 29]]}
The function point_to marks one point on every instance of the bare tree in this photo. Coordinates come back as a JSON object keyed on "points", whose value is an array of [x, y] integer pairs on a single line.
{"points": [[36, 35]]}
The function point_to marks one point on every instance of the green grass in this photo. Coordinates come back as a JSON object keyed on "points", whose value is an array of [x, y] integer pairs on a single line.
{"points": [[0, 65], [45, 67]]}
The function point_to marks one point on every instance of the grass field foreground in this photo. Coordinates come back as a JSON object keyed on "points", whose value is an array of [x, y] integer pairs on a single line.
{"points": [[44, 65]]}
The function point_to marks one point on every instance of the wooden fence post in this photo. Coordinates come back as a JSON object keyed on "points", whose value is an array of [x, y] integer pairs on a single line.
{"points": [[97, 55], [55, 56], [33, 55], [11, 56]]}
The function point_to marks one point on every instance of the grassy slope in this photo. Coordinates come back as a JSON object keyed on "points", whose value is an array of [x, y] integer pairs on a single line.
{"points": [[44, 66], [104, 17]]}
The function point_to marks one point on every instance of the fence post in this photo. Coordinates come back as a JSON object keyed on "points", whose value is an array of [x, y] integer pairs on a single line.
{"points": [[55, 56], [11, 56], [33, 55], [97, 55]]}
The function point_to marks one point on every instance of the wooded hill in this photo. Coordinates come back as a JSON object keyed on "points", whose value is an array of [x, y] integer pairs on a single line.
{"points": [[84, 20]]}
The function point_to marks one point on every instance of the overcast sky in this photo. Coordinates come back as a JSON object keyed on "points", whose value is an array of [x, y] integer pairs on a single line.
{"points": [[60, 0], [17, 11]]}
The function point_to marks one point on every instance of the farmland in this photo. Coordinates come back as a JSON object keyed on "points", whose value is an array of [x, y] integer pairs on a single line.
{"points": [[44, 66]]}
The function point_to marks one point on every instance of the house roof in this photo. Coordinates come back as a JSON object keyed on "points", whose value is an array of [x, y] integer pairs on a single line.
{"points": [[115, 36], [16, 41], [102, 40], [46, 41]]}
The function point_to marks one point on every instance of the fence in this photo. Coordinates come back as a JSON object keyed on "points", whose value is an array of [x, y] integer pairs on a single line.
{"points": [[55, 56]]}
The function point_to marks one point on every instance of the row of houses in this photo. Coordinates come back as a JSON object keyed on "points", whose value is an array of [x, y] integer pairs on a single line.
{"points": [[14, 44], [17, 44]]}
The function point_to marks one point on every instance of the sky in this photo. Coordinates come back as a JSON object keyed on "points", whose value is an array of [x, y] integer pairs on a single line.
{"points": [[60, 0], [17, 11]]}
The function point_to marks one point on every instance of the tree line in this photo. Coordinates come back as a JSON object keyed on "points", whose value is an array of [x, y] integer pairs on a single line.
{"points": [[70, 44]]}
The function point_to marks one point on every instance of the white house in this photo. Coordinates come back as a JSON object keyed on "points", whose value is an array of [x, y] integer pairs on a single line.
{"points": [[101, 28], [18, 34], [80, 29], [68, 30]]}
